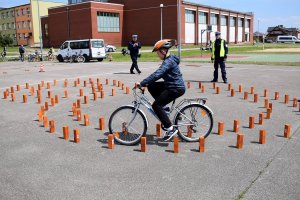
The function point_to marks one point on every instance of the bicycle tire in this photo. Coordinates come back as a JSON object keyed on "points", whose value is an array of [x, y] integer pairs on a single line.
{"points": [[130, 136], [80, 59], [193, 135]]}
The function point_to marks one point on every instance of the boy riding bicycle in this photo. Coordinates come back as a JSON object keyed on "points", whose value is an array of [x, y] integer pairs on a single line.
{"points": [[168, 90]]}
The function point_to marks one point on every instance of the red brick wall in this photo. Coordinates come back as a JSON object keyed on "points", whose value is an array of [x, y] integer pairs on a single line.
{"points": [[29, 40], [144, 19], [114, 38], [82, 23]]}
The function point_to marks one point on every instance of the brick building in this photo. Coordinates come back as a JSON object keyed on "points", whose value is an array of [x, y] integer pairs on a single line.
{"points": [[21, 23], [274, 32], [116, 20]]}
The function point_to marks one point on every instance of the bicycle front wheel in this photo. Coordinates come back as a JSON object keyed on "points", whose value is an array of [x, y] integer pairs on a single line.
{"points": [[127, 125], [194, 121], [80, 59]]}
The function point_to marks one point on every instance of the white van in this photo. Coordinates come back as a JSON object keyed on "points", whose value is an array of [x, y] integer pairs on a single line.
{"points": [[90, 48], [287, 39]]}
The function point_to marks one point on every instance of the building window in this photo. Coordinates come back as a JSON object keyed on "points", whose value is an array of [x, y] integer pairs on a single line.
{"points": [[13, 25], [8, 26], [247, 23], [240, 22], [29, 25], [28, 12], [108, 22], [189, 16], [213, 19], [2, 15], [202, 18], [18, 25], [13, 13], [25, 36], [7, 14], [24, 24], [17, 12], [232, 21], [46, 30], [14, 36], [23, 12], [20, 36], [223, 21]]}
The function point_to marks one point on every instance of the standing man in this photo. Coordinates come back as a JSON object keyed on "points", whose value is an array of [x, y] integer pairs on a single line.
{"points": [[21, 51], [219, 57], [134, 47]]}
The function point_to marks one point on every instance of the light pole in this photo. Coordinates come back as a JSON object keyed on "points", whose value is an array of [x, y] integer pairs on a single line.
{"points": [[202, 31], [161, 20], [40, 30], [179, 28], [68, 19]]}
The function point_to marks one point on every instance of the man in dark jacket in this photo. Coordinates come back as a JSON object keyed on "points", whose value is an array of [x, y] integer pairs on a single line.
{"points": [[219, 56], [21, 51], [134, 47]]}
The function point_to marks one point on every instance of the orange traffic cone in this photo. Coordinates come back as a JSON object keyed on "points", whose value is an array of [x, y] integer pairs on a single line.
{"points": [[41, 68]]}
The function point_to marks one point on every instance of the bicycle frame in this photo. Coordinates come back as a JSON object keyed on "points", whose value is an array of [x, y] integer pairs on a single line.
{"points": [[143, 100]]}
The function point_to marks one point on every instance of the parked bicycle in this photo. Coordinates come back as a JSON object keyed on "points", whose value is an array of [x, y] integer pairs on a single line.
{"points": [[192, 118], [74, 58], [34, 57], [50, 57], [78, 57]]}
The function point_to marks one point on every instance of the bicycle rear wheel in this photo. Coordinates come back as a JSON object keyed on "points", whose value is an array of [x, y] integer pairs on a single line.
{"points": [[194, 121], [127, 126]]}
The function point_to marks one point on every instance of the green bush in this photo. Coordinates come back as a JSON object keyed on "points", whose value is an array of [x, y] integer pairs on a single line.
{"points": [[6, 41]]}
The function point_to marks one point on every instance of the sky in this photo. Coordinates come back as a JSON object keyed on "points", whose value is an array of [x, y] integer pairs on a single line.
{"points": [[266, 12]]}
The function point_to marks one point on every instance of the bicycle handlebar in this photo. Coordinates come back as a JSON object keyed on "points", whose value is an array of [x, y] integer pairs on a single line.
{"points": [[140, 88]]}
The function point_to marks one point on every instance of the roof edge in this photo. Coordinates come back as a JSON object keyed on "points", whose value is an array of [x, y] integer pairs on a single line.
{"points": [[217, 8]]}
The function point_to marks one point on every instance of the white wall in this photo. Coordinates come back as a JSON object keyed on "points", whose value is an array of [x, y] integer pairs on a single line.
{"points": [[232, 34], [240, 34], [224, 32], [204, 35], [212, 34], [189, 32]]}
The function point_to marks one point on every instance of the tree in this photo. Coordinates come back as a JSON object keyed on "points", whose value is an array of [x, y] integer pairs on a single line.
{"points": [[6, 40]]}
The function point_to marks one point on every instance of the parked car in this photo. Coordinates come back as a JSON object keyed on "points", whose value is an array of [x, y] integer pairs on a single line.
{"points": [[110, 48], [287, 39], [90, 49], [267, 40]]}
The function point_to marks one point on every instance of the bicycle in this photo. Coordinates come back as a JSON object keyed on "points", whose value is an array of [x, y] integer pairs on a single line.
{"points": [[50, 57], [192, 118], [78, 57]]}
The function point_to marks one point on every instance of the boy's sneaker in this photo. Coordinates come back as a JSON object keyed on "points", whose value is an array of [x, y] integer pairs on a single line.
{"points": [[170, 134]]}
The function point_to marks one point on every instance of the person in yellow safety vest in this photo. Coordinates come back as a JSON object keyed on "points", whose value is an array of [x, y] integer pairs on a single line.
{"points": [[219, 57]]}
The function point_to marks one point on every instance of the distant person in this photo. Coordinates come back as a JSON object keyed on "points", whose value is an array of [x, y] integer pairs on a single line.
{"points": [[134, 47], [3, 54], [22, 52], [219, 56], [51, 51]]}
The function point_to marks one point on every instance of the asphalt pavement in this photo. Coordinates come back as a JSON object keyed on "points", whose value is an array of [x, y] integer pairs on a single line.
{"points": [[35, 164]]}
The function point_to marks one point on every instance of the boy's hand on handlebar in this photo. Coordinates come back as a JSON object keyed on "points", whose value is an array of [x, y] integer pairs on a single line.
{"points": [[138, 86]]}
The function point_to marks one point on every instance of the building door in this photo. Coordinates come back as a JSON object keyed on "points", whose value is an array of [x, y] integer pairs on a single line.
{"points": [[190, 26], [246, 37]]}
